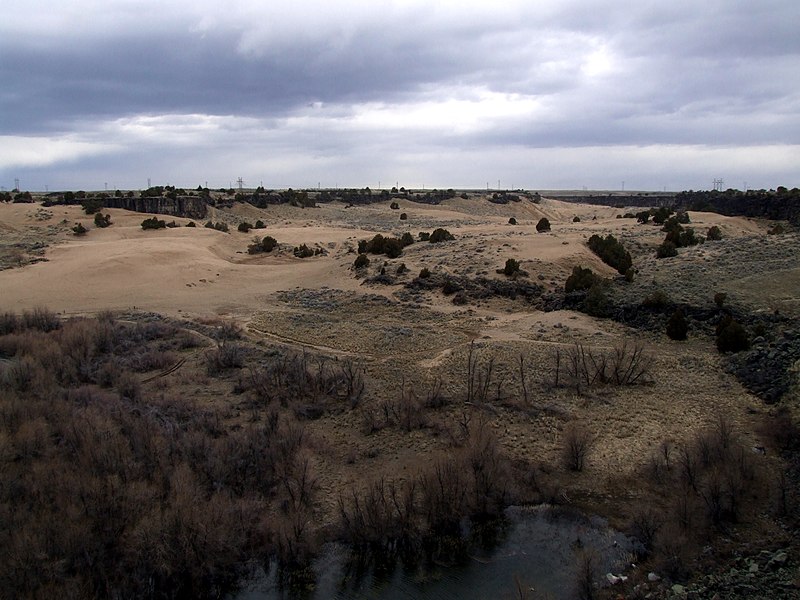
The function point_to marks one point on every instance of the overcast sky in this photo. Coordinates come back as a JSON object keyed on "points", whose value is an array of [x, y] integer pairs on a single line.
{"points": [[543, 94]]}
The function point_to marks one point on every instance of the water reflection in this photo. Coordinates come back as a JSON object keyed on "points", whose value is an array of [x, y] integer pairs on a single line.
{"points": [[537, 546]]}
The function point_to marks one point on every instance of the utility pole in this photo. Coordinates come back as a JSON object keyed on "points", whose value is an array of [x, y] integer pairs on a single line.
{"points": [[240, 182], [16, 184]]}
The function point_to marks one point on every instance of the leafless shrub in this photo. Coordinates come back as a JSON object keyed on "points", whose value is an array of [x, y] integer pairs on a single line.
{"points": [[578, 443], [479, 376], [9, 323], [645, 524], [128, 386], [226, 355], [586, 575], [41, 319], [151, 360], [434, 398], [626, 364]]}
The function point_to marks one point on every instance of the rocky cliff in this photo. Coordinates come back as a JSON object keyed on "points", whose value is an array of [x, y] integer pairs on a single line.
{"points": [[192, 207]]}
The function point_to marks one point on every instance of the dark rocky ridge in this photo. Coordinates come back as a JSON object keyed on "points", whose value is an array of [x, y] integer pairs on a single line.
{"points": [[192, 207]]}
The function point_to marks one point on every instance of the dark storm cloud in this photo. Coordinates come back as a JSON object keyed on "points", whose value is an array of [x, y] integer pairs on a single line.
{"points": [[356, 84]]}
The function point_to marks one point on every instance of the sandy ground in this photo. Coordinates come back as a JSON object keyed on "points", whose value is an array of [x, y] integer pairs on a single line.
{"points": [[319, 303]]}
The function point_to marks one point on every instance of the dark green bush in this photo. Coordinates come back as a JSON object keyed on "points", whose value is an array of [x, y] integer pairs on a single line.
{"points": [[576, 219], [719, 299], [101, 221], [450, 287], [581, 279], [677, 327], [666, 250], [406, 239], [424, 273], [512, 221], [303, 251], [79, 229], [403, 216], [424, 236], [394, 206], [611, 251], [597, 303], [511, 268], [361, 261], [191, 224], [153, 223], [657, 299], [259, 225], [244, 227], [543, 225], [714, 233], [392, 247], [731, 336], [440, 235]]}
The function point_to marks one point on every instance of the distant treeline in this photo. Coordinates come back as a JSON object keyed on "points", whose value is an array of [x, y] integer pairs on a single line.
{"points": [[778, 204]]}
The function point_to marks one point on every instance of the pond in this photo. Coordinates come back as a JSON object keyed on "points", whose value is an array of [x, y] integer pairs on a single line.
{"points": [[539, 548]]}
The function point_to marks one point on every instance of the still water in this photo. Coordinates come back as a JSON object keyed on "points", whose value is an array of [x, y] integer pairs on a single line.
{"points": [[540, 548]]}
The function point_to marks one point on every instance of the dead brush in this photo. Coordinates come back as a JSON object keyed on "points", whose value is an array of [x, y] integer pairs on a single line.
{"points": [[628, 363]]}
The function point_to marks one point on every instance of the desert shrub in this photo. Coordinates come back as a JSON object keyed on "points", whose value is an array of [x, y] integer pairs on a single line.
{"points": [[191, 224], [719, 299], [714, 233], [361, 261], [776, 229], [576, 219], [402, 268], [460, 298], [424, 236], [40, 319], [543, 225], [731, 336], [392, 247], [79, 229], [266, 244], [406, 239], [403, 216], [440, 235], [9, 323], [630, 274], [666, 250], [581, 279], [661, 215], [579, 366], [153, 223], [511, 267], [220, 226], [91, 205], [394, 206], [642, 217], [101, 221], [424, 273], [657, 299], [302, 251], [611, 251], [226, 355], [259, 225], [677, 327], [244, 227], [450, 287], [172, 224], [597, 303], [512, 221]]}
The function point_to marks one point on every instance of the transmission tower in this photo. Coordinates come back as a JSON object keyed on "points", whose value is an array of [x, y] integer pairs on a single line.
{"points": [[718, 184], [240, 182]]}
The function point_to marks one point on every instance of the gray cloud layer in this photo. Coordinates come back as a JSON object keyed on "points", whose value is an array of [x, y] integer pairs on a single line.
{"points": [[451, 94]]}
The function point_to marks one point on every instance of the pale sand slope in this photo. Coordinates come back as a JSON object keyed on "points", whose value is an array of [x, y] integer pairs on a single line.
{"points": [[198, 271]]}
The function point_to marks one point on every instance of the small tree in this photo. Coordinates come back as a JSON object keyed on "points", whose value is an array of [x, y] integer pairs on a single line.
{"points": [[543, 225], [101, 221], [79, 229], [578, 442], [677, 327], [512, 221], [714, 234], [666, 250], [511, 268], [440, 235], [731, 336], [361, 261]]}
